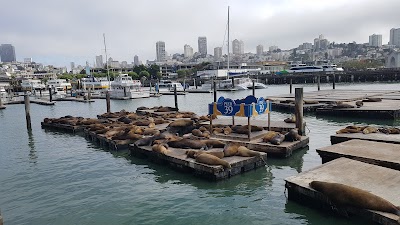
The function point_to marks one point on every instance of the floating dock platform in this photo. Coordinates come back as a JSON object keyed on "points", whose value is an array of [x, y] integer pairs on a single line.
{"points": [[73, 99], [177, 159], [62, 127], [377, 153], [379, 137], [318, 101], [380, 181]]}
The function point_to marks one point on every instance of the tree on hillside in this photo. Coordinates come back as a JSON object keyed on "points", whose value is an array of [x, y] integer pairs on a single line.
{"points": [[144, 73], [134, 75]]}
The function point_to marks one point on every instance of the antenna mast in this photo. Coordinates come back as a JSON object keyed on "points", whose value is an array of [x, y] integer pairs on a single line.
{"points": [[227, 74], [105, 49]]}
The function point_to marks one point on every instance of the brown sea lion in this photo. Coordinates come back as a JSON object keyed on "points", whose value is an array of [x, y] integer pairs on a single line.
{"points": [[150, 131], [231, 149], [290, 119], [389, 130], [218, 130], [369, 130], [342, 105], [195, 153], [359, 104], [372, 100], [203, 128], [181, 123], [163, 149], [245, 152], [344, 195], [187, 143], [197, 133], [212, 143], [355, 127], [292, 135], [269, 135], [227, 130], [278, 139], [212, 160], [206, 134], [166, 109]]}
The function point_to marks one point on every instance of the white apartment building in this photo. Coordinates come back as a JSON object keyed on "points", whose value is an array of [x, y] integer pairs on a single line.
{"points": [[395, 37], [260, 50], [202, 43], [375, 40], [217, 54], [187, 51], [160, 51]]}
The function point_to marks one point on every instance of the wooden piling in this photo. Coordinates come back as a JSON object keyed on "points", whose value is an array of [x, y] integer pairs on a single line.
{"points": [[334, 81], [108, 102], [233, 82], [215, 91], [1, 219], [319, 82], [248, 128], [254, 89], [40, 92], [89, 93], [299, 110], [176, 97], [150, 87], [50, 97], [291, 85], [195, 83], [27, 112]]}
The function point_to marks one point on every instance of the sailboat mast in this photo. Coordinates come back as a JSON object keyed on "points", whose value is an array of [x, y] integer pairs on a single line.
{"points": [[227, 74], [105, 49]]}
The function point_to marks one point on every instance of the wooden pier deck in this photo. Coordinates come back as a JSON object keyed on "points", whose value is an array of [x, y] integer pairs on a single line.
{"points": [[377, 153], [379, 137], [73, 99], [63, 127], [177, 159], [378, 180], [388, 108]]}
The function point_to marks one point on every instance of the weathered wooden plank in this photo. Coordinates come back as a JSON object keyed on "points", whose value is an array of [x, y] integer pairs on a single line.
{"points": [[379, 137], [378, 180], [377, 153]]}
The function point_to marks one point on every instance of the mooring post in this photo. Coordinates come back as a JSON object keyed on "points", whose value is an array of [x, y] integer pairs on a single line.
{"points": [[124, 91], [1, 103], [89, 94], [254, 89], [27, 111], [215, 91], [299, 110], [1, 219], [108, 102], [195, 83], [291, 85], [51, 97], [176, 97], [40, 92], [269, 115], [334, 82], [248, 127], [233, 82], [150, 87], [319, 82]]}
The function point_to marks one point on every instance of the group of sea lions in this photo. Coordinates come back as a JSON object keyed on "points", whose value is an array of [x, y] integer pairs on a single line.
{"points": [[368, 130], [276, 138]]}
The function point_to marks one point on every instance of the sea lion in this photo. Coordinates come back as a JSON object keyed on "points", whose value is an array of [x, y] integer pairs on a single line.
{"points": [[292, 135], [163, 149], [195, 153], [277, 139], [344, 195], [244, 129], [290, 120], [197, 133], [355, 127], [203, 128], [206, 134], [218, 130], [245, 152], [359, 104], [347, 130], [369, 130], [227, 130], [187, 143], [212, 143], [268, 136], [372, 100], [150, 131], [166, 109], [341, 105], [212, 160], [231, 149]]}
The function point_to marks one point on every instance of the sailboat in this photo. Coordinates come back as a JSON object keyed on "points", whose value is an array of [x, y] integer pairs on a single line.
{"points": [[239, 83]]}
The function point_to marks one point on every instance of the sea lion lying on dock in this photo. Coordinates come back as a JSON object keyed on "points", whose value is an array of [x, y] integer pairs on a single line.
{"points": [[342, 105], [290, 120], [187, 143], [268, 136], [245, 152], [389, 130], [292, 135], [306, 102], [278, 139], [163, 149], [369, 130], [239, 129], [372, 100], [195, 153], [359, 104], [166, 109], [212, 160], [231, 149], [344, 195]]}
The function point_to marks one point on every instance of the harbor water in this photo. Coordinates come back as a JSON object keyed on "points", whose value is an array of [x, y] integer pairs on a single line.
{"points": [[51, 177]]}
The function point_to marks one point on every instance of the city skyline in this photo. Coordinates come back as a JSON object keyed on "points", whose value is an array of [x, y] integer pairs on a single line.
{"points": [[75, 35]]}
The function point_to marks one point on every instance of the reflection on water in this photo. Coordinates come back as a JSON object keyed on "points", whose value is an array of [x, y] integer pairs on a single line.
{"points": [[295, 161], [357, 120], [32, 151]]}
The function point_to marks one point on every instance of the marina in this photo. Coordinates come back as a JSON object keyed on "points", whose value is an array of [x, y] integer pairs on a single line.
{"points": [[103, 179], [375, 179]]}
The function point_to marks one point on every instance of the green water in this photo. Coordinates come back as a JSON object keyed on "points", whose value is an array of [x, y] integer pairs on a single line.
{"points": [[49, 177]]}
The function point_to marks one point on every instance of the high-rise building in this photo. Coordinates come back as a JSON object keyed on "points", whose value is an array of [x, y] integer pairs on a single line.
{"points": [[375, 40], [136, 60], [202, 42], [187, 51], [395, 37], [72, 65], [160, 50], [99, 61], [237, 47], [260, 50], [7, 53], [320, 43], [273, 48], [217, 53], [27, 60]]}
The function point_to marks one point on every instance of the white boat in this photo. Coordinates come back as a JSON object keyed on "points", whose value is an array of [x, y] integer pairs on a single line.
{"points": [[303, 68], [240, 83], [168, 86], [124, 86], [32, 84], [94, 83]]}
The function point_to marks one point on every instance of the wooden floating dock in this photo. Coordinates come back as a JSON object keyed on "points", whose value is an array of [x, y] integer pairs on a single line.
{"points": [[36, 101], [63, 127], [377, 153], [381, 181], [169, 93], [73, 99], [388, 108], [177, 159], [102, 141], [379, 137], [198, 91]]}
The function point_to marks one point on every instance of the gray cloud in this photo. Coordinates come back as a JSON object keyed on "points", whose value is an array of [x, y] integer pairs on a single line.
{"points": [[57, 32]]}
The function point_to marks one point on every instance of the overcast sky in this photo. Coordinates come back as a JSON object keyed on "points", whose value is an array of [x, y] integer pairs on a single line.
{"points": [[59, 32]]}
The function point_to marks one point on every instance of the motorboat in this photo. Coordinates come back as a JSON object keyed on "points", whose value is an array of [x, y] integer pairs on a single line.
{"points": [[124, 86], [240, 83], [31, 85], [303, 68], [168, 86]]}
